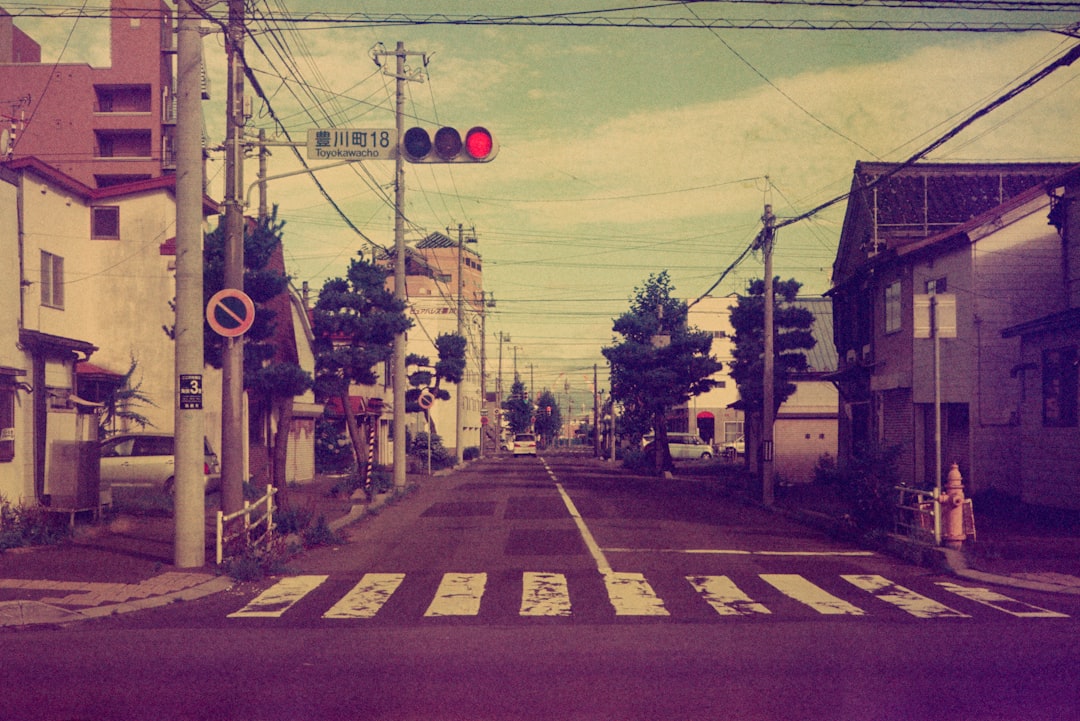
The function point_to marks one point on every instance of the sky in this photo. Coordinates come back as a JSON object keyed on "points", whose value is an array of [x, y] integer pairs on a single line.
{"points": [[623, 151]]}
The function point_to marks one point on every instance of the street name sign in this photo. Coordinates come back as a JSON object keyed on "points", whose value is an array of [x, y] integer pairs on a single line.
{"points": [[352, 144]]}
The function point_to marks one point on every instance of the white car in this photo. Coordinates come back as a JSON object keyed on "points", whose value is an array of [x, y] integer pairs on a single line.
{"points": [[147, 460], [736, 447], [524, 445], [684, 446]]}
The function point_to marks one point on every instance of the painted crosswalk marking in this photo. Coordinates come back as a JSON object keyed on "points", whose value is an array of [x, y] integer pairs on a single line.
{"points": [[544, 594], [459, 594], [280, 597], [631, 595], [725, 597], [917, 605], [993, 599], [367, 597], [798, 588]]}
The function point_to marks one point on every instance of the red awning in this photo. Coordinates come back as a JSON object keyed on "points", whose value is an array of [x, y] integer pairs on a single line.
{"points": [[705, 414]]}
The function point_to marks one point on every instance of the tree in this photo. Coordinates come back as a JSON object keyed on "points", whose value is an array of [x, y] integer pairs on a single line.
{"points": [[793, 336], [450, 367], [121, 403], [548, 417], [274, 378], [354, 321], [660, 363], [519, 411]]}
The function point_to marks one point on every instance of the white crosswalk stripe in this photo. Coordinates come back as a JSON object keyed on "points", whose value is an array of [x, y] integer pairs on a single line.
{"points": [[279, 598], [366, 597], [917, 605], [459, 594], [545, 594], [798, 588]]}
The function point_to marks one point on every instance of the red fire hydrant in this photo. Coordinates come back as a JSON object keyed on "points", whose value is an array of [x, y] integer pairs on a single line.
{"points": [[952, 510]]}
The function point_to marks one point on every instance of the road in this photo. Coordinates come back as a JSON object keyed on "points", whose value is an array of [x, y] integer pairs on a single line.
{"points": [[560, 588]]}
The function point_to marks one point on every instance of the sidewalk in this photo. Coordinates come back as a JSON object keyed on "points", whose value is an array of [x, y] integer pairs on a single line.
{"points": [[125, 563]]}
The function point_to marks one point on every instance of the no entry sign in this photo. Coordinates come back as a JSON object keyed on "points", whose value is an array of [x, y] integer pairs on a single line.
{"points": [[230, 312]]}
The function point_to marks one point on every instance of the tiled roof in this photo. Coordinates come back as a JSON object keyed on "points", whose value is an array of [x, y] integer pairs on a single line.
{"points": [[927, 198]]}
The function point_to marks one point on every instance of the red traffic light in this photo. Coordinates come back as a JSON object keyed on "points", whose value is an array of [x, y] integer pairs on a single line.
{"points": [[479, 146]]}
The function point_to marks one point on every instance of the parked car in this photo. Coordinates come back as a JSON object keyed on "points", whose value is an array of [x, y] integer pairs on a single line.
{"points": [[736, 447], [684, 446], [524, 444], [147, 460]]}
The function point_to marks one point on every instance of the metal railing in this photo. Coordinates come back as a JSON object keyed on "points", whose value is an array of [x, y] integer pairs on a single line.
{"points": [[918, 515], [242, 535]]}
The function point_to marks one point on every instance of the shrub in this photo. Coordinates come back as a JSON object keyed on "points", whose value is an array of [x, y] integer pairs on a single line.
{"points": [[471, 453], [867, 482], [29, 525], [440, 457], [321, 535]]}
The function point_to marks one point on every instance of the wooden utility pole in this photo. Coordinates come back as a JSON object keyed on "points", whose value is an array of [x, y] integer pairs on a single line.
{"points": [[767, 412]]}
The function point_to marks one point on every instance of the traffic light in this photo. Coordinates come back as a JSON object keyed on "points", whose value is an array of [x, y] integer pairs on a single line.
{"points": [[478, 146]]}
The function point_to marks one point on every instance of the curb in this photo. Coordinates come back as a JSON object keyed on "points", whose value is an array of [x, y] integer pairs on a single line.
{"points": [[37, 613]]}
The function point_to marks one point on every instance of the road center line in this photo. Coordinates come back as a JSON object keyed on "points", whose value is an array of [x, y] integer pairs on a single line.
{"points": [[602, 564]]}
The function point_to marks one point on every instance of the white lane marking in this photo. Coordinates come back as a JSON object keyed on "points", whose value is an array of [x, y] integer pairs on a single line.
{"points": [[602, 564], [724, 596], [280, 597], [367, 596], [544, 594], [993, 599], [631, 595], [459, 594], [738, 552], [904, 598], [798, 588]]}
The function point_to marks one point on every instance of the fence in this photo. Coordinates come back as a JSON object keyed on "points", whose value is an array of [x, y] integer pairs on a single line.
{"points": [[244, 532], [918, 516]]}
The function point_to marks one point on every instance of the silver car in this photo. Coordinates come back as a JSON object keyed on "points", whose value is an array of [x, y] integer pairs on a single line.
{"points": [[147, 460]]}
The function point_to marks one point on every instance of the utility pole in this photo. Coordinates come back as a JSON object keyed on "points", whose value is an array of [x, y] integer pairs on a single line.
{"points": [[460, 404], [595, 413], [398, 379], [485, 303], [189, 530], [766, 238], [232, 369]]}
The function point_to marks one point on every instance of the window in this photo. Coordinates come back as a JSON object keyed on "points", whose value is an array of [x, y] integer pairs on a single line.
{"points": [[1059, 387], [7, 422], [892, 307], [935, 286], [105, 222], [52, 280]]}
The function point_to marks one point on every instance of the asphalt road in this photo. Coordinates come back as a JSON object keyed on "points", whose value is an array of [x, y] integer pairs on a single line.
{"points": [[555, 588]]}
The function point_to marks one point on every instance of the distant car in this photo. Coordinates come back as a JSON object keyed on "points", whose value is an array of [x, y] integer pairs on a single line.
{"points": [[524, 444], [736, 447], [147, 460], [684, 446]]}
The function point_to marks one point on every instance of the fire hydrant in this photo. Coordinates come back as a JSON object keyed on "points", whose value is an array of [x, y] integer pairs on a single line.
{"points": [[952, 510]]}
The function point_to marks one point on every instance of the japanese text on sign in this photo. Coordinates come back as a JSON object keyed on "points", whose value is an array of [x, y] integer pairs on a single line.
{"points": [[352, 144]]}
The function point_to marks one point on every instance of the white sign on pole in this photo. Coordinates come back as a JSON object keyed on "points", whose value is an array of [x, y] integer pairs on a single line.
{"points": [[352, 143]]}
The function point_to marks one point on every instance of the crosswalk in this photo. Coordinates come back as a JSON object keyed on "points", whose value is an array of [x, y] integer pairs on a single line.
{"points": [[546, 594]]}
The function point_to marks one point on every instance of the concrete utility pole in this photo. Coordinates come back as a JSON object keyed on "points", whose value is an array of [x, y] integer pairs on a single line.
{"points": [[595, 412], [485, 303], [459, 411], [768, 495], [398, 379], [232, 369], [189, 531]]}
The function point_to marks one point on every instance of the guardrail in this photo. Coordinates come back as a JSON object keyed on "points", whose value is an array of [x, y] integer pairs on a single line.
{"points": [[918, 515], [244, 532]]}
